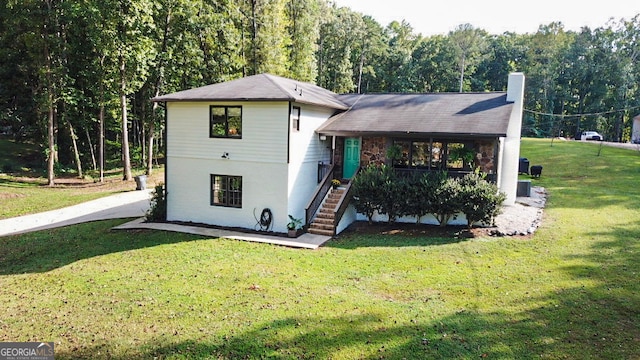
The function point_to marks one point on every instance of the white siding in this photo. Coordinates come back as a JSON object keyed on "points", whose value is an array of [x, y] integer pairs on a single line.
{"points": [[189, 194], [264, 137], [306, 150], [260, 157]]}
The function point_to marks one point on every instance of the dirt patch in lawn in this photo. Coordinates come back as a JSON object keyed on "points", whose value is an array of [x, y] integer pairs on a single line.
{"points": [[5, 196], [418, 230]]}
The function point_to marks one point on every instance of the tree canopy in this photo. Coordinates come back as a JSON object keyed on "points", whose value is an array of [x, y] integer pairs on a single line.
{"points": [[76, 77]]}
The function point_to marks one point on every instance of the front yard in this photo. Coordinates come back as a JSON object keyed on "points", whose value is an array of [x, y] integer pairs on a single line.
{"points": [[569, 291]]}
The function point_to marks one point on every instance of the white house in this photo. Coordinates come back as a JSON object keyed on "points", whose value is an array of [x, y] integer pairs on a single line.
{"points": [[266, 147]]}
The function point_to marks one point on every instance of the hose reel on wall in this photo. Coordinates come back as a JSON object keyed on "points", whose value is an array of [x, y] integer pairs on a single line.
{"points": [[265, 221]]}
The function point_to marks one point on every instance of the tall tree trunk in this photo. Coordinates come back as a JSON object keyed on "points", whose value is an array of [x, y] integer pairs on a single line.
{"points": [[126, 159], [101, 136], [462, 72], [51, 139], [76, 154], [50, 102], [93, 153]]}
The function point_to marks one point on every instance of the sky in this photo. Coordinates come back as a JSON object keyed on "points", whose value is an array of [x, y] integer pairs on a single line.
{"points": [[494, 16]]}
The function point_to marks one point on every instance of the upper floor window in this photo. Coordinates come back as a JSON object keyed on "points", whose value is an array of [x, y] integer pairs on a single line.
{"points": [[225, 121], [295, 118]]}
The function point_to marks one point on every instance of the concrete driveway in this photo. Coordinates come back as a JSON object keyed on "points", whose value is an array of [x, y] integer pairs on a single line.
{"points": [[131, 204]]}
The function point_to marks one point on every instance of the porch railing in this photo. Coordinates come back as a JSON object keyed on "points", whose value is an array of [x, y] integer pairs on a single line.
{"points": [[318, 196], [343, 204], [450, 173]]}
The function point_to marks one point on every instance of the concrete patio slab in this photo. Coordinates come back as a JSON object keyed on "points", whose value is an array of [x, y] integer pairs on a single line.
{"points": [[306, 241]]}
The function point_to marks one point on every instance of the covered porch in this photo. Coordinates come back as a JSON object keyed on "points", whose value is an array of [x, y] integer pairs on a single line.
{"points": [[417, 154]]}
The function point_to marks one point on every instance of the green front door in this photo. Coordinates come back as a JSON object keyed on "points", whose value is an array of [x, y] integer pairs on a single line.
{"points": [[351, 157]]}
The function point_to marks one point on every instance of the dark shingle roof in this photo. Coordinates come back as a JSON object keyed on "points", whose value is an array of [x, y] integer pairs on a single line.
{"points": [[262, 87], [443, 114]]}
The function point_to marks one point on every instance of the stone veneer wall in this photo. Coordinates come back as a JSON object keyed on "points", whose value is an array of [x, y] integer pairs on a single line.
{"points": [[373, 151], [338, 157], [485, 156]]}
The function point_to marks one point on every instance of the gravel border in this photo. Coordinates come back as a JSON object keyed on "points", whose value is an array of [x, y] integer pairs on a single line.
{"points": [[522, 218]]}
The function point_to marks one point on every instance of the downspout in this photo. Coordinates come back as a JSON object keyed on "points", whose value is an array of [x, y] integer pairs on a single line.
{"points": [[166, 147], [289, 133]]}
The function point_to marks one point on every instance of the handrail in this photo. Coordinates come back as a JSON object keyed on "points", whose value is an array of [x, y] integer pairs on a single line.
{"points": [[343, 203], [318, 196]]}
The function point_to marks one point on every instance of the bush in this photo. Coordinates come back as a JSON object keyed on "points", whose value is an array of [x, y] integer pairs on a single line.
{"points": [[481, 200], [379, 188], [158, 210], [7, 168], [366, 189], [420, 195], [392, 194], [447, 201]]}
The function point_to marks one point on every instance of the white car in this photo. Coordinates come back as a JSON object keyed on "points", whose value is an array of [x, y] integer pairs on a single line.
{"points": [[591, 135]]}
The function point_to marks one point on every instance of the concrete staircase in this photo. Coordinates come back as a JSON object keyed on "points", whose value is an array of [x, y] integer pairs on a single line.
{"points": [[322, 224]]}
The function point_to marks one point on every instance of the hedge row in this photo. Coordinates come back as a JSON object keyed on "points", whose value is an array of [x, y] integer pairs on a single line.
{"points": [[379, 188]]}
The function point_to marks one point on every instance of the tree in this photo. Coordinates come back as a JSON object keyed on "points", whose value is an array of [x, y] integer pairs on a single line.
{"points": [[134, 53], [266, 23], [396, 71], [338, 36], [303, 28], [469, 44], [433, 63]]}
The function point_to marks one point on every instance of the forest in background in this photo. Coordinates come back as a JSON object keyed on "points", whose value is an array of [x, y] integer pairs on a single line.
{"points": [[76, 76]]}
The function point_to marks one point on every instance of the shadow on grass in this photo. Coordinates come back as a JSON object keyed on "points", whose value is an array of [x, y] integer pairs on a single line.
{"points": [[362, 234], [563, 328], [46, 250]]}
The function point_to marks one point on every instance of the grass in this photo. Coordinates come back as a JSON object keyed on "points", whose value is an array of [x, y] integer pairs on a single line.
{"points": [[569, 292], [23, 188]]}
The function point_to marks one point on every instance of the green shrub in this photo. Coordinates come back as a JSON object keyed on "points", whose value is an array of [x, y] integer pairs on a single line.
{"points": [[158, 210], [366, 189], [379, 188], [420, 193], [480, 200], [392, 194], [448, 202], [7, 168]]}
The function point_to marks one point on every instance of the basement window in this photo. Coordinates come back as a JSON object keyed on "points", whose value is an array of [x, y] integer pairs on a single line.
{"points": [[226, 191]]}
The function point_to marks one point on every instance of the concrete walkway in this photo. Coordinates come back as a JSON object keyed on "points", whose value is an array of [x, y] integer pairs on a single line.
{"points": [[123, 205], [135, 204], [307, 241]]}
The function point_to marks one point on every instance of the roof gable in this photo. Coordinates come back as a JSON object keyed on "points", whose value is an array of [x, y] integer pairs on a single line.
{"points": [[262, 87]]}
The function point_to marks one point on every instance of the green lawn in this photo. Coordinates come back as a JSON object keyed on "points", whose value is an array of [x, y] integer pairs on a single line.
{"points": [[23, 182], [569, 292]]}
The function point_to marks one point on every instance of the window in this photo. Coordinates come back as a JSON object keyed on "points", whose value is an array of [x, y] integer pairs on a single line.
{"points": [[433, 154], [226, 121], [295, 118], [412, 154], [226, 190], [460, 156]]}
